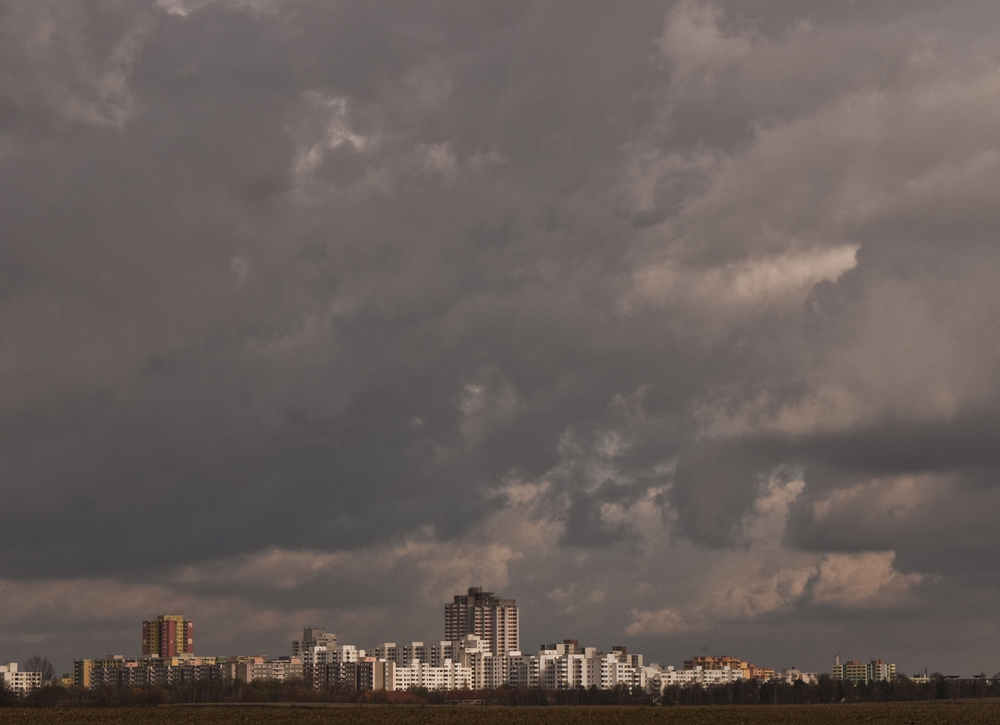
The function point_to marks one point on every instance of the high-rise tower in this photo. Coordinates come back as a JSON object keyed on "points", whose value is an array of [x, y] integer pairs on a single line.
{"points": [[168, 635], [486, 616]]}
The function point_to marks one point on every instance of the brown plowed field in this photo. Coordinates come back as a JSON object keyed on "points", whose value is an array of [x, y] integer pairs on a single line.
{"points": [[903, 714]]}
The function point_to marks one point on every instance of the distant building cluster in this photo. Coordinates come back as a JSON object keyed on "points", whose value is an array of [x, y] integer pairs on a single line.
{"points": [[855, 671], [481, 651], [714, 664]]}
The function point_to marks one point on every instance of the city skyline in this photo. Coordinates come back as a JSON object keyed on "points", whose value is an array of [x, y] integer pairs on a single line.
{"points": [[168, 639], [676, 322], [479, 652]]}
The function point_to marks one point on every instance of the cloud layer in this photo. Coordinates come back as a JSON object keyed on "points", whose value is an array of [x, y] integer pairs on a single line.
{"points": [[677, 324]]}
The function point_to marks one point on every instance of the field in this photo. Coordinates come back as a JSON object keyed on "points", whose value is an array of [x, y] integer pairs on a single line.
{"points": [[903, 714]]}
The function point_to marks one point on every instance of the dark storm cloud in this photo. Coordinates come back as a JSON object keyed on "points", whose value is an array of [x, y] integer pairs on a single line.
{"points": [[311, 305], [147, 223]]}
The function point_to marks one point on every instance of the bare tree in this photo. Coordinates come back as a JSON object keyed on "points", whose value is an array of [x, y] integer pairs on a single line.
{"points": [[36, 663], [7, 695]]}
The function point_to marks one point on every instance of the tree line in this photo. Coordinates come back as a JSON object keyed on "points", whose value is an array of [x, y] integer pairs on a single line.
{"points": [[829, 690], [746, 692]]}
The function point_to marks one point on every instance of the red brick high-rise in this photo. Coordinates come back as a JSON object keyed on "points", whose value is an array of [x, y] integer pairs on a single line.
{"points": [[169, 635]]}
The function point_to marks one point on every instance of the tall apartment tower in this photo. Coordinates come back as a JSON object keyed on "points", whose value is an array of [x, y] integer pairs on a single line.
{"points": [[486, 616], [169, 635]]}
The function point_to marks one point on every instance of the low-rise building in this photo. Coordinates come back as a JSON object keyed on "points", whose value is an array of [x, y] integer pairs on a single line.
{"points": [[792, 675], [713, 663], [698, 676], [282, 669], [119, 671]]}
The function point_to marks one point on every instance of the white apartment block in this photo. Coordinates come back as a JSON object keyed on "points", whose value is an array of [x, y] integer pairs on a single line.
{"points": [[415, 651], [460, 650], [561, 671], [318, 656], [345, 653], [568, 666], [449, 676], [522, 670], [403, 654], [471, 661], [17, 681], [470, 652], [698, 675], [388, 652], [610, 670], [491, 671]]}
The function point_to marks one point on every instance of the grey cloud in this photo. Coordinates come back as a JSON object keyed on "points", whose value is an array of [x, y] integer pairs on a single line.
{"points": [[329, 277]]}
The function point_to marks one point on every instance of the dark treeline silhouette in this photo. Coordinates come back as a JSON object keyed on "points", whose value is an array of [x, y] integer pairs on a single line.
{"points": [[184, 692], [7, 697], [748, 692], [828, 690]]}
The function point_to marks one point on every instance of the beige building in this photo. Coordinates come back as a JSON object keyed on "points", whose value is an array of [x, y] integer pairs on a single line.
{"points": [[710, 664], [83, 671], [855, 671], [279, 670], [120, 671]]}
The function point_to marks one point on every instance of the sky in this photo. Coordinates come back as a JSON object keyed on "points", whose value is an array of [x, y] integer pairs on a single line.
{"points": [[675, 321]]}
